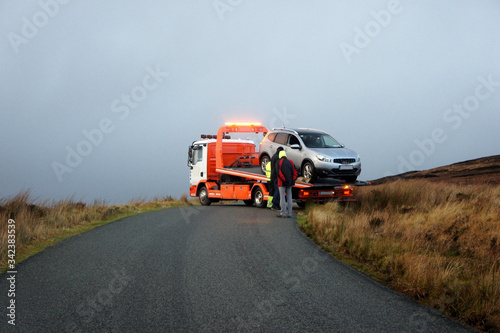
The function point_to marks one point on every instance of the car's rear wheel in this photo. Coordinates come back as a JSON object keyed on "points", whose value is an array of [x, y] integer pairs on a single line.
{"points": [[308, 172], [263, 162]]}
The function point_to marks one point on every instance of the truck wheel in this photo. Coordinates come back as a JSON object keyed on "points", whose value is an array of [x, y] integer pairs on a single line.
{"points": [[258, 198], [308, 172], [301, 203], [248, 202], [203, 195], [263, 162]]}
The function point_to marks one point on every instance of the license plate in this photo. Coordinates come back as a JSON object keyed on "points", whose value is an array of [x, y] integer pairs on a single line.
{"points": [[346, 167]]}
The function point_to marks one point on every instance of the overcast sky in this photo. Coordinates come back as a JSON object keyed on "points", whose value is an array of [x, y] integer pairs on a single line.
{"points": [[100, 99]]}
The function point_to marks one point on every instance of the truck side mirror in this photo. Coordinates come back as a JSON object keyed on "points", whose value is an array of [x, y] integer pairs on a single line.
{"points": [[190, 156]]}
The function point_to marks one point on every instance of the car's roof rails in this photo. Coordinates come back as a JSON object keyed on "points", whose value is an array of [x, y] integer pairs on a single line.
{"points": [[285, 129], [296, 130], [311, 130]]}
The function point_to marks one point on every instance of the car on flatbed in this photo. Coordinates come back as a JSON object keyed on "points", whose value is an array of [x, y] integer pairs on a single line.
{"points": [[221, 168], [315, 153]]}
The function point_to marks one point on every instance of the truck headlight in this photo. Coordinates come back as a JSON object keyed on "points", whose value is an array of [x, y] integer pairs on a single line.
{"points": [[323, 158]]}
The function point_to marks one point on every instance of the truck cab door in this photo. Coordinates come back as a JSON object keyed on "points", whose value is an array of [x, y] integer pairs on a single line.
{"points": [[198, 164]]}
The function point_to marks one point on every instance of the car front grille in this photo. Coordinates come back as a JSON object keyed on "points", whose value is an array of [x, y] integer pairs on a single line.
{"points": [[344, 160], [344, 172]]}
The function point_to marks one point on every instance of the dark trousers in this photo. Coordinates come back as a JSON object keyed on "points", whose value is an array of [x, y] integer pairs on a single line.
{"points": [[270, 188], [276, 198]]}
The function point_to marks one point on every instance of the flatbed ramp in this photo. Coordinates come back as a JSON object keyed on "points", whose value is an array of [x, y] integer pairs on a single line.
{"points": [[254, 172]]}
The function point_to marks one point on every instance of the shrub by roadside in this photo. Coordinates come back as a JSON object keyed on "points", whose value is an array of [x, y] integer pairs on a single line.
{"points": [[439, 244]]}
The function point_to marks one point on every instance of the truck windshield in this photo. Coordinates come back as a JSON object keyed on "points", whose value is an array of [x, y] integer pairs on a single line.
{"points": [[319, 140]]}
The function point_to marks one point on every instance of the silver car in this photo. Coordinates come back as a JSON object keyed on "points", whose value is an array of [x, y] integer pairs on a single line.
{"points": [[314, 153]]}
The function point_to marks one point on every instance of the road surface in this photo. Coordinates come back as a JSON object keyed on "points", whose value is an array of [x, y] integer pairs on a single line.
{"points": [[227, 268]]}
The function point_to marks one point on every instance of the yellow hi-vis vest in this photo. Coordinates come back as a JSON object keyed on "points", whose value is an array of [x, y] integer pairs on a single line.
{"points": [[268, 171]]}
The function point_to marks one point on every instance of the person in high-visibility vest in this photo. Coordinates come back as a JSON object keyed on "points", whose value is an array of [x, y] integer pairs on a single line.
{"points": [[270, 185]]}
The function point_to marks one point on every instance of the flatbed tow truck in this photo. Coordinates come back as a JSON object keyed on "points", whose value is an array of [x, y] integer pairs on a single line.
{"points": [[222, 168]]}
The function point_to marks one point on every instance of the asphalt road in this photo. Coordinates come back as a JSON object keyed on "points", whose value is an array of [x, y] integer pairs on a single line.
{"points": [[204, 269]]}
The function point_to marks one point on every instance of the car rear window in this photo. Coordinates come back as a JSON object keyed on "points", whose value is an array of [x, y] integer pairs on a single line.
{"points": [[281, 138], [271, 136]]}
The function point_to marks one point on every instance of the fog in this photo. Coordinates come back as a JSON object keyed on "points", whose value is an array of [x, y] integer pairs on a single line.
{"points": [[102, 99]]}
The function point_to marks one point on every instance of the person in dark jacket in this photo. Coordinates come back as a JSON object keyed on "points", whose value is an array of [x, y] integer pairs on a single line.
{"points": [[274, 178], [286, 179]]}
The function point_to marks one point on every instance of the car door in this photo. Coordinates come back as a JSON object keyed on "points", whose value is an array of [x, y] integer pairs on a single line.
{"points": [[294, 155]]}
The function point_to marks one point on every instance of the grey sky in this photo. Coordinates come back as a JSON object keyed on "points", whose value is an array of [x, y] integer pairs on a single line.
{"points": [[387, 92]]}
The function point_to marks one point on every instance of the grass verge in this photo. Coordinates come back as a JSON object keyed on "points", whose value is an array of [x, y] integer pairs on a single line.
{"points": [[39, 225], [439, 244]]}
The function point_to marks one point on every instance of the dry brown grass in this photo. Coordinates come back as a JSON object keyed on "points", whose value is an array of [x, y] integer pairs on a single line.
{"points": [[37, 221], [437, 243]]}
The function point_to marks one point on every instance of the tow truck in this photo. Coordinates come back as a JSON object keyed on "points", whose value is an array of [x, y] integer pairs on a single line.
{"points": [[222, 168]]}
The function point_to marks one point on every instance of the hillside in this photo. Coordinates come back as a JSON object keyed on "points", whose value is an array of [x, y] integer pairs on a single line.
{"points": [[485, 170]]}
